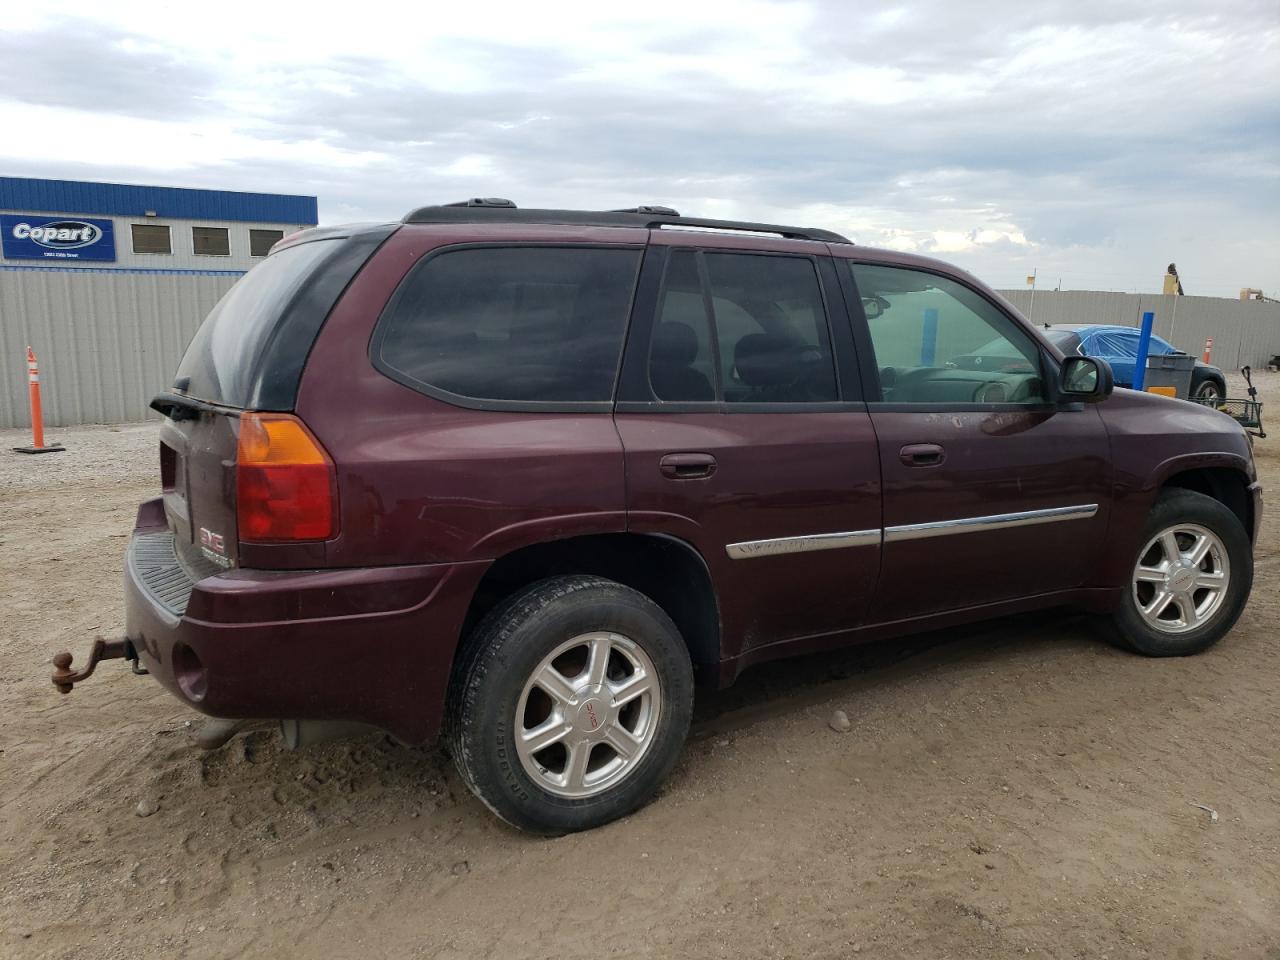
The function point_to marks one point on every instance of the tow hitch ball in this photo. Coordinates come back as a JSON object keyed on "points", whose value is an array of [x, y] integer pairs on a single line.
{"points": [[64, 678]]}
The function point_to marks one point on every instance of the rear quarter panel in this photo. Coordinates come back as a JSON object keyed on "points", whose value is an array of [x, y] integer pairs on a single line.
{"points": [[423, 481]]}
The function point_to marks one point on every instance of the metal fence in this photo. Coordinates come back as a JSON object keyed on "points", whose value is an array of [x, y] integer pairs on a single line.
{"points": [[1243, 331], [107, 342]]}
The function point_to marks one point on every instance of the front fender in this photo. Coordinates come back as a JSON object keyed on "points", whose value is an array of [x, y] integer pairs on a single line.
{"points": [[1154, 439], [1135, 495]]}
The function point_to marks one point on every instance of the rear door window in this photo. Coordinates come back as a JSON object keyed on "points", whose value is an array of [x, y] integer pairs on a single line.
{"points": [[518, 324], [682, 365], [747, 328]]}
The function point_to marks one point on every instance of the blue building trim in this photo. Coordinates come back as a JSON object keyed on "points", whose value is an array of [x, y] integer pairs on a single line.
{"points": [[188, 273], [175, 203]]}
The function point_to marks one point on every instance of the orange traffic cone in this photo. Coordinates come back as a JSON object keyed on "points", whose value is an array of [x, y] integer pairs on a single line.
{"points": [[37, 415]]}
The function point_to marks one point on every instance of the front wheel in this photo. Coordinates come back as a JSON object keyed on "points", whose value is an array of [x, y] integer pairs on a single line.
{"points": [[570, 704], [1209, 390], [1190, 579]]}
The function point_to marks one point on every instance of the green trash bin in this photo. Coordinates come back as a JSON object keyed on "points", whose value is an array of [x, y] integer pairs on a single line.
{"points": [[1170, 370]]}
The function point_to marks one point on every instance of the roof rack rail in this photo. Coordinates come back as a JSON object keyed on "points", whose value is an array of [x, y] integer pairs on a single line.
{"points": [[493, 210], [500, 202], [651, 209]]}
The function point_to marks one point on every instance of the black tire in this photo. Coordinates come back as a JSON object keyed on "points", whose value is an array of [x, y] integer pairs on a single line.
{"points": [[1209, 389], [1176, 506], [500, 656]]}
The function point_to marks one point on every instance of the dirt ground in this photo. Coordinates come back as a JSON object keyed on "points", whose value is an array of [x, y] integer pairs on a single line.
{"points": [[1016, 789]]}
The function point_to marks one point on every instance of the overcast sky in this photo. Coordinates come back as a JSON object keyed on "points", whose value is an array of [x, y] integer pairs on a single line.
{"points": [[1092, 140]]}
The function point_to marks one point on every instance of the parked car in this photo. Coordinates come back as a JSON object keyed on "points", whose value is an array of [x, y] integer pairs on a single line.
{"points": [[524, 476], [1117, 345]]}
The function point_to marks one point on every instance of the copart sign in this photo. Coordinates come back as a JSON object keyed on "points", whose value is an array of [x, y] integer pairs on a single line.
{"points": [[30, 237]]}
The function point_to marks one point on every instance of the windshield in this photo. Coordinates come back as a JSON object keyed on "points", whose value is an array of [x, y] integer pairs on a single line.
{"points": [[220, 362]]}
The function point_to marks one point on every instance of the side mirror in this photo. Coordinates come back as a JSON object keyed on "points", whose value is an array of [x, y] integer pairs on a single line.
{"points": [[1086, 379], [874, 307]]}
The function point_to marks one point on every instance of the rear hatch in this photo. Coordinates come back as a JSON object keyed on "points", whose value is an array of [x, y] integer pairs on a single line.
{"points": [[248, 355]]}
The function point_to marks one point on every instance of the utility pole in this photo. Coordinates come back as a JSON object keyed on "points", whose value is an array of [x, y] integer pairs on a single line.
{"points": [[1031, 282]]}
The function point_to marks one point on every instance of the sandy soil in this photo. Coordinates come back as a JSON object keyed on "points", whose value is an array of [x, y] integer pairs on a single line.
{"points": [[1018, 789]]}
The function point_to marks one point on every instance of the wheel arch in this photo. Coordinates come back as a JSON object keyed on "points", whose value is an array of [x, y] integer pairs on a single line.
{"points": [[1226, 484], [668, 570], [1199, 377]]}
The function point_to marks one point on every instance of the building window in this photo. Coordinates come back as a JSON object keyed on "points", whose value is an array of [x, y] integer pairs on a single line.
{"points": [[261, 241], [210, 241], [151, 238]]}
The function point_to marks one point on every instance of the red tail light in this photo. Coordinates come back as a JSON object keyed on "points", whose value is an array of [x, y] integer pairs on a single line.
{"points": [[286, 489]]}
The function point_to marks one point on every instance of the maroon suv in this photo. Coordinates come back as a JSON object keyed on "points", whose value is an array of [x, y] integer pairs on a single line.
{"points": [[523, 475]]}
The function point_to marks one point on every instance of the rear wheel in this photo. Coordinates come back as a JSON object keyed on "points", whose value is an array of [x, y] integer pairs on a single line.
{"points": [[570, 704], [1190, 579]]}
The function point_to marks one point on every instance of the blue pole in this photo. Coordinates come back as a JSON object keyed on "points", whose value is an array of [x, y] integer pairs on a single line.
{"points": [[929, 337], [1144, 347]]}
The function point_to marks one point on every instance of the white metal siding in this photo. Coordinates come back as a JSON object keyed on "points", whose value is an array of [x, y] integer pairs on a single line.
{"points": [[106, 342]]}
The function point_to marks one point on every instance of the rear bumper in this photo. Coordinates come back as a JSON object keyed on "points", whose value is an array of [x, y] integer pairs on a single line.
{"points": [[374, 645]]}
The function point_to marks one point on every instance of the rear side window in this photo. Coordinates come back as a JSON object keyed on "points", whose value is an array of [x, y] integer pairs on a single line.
{"points": [[753, 331], [523, 324]]}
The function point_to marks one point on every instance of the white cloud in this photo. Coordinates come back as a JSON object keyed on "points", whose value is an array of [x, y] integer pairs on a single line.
{"points": [[1089, 139]]}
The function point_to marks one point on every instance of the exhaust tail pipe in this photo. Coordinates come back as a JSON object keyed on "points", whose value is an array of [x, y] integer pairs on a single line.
{"points": [[307, 733]]}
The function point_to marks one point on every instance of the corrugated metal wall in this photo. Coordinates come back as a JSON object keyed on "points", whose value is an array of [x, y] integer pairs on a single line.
{"points": [[106, 343], [1243, 331]]}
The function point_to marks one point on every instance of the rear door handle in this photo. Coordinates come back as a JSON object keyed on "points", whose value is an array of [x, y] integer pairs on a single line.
{"points": [[687, 466], [922, 455]]}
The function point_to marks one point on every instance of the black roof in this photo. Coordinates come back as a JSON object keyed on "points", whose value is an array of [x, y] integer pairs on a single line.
{"points": [[496, 210]]}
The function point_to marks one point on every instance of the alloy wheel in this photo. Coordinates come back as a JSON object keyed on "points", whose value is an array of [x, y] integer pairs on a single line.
{"points": [[1181, 578], [587, 715]]}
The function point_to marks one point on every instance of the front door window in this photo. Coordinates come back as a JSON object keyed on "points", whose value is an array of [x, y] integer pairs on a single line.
{"points": [[937, 341]]}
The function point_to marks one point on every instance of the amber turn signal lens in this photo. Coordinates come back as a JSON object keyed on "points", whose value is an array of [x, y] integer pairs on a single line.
{"points": [[277, 438]]}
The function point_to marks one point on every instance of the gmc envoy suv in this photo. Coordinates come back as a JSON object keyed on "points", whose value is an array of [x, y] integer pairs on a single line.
{"points": [[522, 477]]}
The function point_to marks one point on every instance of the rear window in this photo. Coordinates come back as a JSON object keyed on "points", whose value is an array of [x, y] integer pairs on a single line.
{"points": [[526, 324], [220, 364]]}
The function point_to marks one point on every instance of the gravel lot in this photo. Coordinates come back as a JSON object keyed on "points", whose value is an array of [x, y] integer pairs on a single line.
{"points": [[1011, 790]]}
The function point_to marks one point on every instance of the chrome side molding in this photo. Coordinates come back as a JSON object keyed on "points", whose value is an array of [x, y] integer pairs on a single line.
{"points": [[998, 521], [816, 541], [908, 531]]}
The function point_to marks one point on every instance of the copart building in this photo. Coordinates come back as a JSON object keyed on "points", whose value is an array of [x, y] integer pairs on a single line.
{"points": [[108, 282]]}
